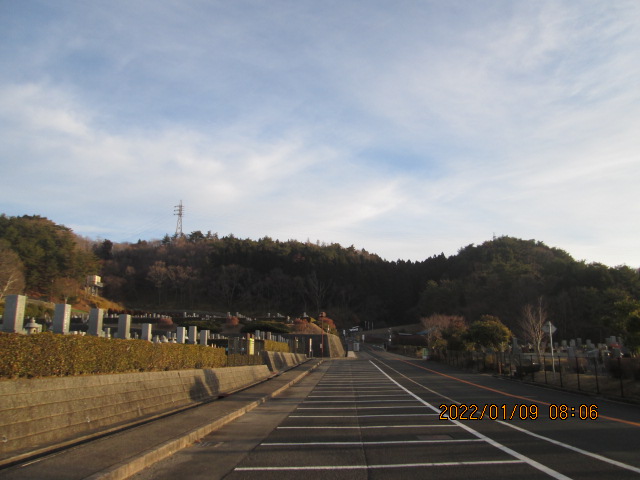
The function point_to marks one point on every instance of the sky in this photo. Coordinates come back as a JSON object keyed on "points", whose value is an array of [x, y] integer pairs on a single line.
{"points": [[405, 128]]}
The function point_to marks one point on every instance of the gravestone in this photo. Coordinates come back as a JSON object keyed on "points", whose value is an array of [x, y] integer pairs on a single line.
{"points": [[204, 337], [96, 316], [124, 325], [193, 335], [146, 331], [515, 348], [13, 317], [61, 318], [181, 334]]}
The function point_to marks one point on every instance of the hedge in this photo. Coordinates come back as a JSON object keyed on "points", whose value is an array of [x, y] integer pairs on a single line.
{"points": [[46, 354], [273, 346]]}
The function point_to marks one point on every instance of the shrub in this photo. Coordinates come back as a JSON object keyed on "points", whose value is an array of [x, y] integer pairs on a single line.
{"points": [[273, 346], [46, 354]]}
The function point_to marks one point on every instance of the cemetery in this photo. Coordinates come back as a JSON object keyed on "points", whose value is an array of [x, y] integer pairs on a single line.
{"points": [[37, 413]]}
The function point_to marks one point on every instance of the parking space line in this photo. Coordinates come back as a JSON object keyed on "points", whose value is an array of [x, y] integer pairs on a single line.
{"points": [[367, 416], [372, 443], [498, 445], [361, 427], [379, 467]]}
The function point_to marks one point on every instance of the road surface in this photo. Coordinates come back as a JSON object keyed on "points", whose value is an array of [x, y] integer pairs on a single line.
{"points": [[387, 416]]}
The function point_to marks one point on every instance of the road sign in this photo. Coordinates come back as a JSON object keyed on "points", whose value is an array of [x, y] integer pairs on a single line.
{"points": [[549, 328]]}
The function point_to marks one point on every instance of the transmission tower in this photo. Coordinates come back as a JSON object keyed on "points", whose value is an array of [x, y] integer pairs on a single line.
{"points": [[179, 211]]}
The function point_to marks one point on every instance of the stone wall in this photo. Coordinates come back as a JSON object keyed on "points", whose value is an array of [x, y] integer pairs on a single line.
{"points": [[278, 361], [38, 413]]}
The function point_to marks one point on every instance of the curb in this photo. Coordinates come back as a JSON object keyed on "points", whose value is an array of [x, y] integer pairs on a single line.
{"points": [[147, 458]]}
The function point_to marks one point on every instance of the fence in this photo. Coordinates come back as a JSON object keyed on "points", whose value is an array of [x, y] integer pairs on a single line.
{"points": [[602, 375]]}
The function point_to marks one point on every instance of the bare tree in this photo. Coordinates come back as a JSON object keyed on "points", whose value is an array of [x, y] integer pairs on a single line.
{"points": [[316, 291], [158, 275], [65, 288], [11, 271], [532, 321], [229, 283]]}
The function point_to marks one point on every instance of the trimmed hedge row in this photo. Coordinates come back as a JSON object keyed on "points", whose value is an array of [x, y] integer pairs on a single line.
{"points": [[273, 346], [46, 354]]}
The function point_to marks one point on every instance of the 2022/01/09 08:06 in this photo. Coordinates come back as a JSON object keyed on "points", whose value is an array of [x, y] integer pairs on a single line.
{"points": [[517, 411]]}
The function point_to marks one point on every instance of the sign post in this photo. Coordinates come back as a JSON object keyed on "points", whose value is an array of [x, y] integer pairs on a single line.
{"points": [[549, 328]]}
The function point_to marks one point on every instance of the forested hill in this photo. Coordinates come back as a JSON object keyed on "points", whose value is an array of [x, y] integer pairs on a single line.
{"points": [[256, 277]]}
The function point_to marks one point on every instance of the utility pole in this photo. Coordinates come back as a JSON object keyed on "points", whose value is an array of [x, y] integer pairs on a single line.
{"points": [[179, 211]]}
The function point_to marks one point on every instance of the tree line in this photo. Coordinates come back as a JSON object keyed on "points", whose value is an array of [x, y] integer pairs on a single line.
{"points": [[499, 278]]}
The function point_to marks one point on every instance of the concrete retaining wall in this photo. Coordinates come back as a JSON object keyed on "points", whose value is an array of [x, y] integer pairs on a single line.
{"points": [[37, 413], [278, 361]]}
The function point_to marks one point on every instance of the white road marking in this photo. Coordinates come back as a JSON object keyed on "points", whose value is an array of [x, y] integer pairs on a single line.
{"points": [[357, 401], [367, 416], [505, 449], [547, 439], [362, 444], [379, 467], [360, 396], [361, 427], [575, 449], [361, 408]]}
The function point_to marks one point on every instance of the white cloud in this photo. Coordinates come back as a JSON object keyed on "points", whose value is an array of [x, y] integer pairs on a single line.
{"points": [[407, 131]]}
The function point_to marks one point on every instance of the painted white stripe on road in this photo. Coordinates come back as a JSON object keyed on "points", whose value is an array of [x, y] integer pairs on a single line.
{"points": [[367, 416], [575, 449], [360, 396], [358, 401], [361, 427], [378, 467], [364, 444], [505, 449], [404, 407]]}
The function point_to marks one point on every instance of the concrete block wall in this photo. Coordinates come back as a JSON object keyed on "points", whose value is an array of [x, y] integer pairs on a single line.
{"points": [[38, 413], [278, 361]]}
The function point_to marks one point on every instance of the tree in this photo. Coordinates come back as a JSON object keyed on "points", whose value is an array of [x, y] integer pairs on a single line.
{"points": [[104, 250], [454, 333], [11, 271], [48, 251], [627, 313], [65, 288], [531, 322], [488, 332], [229, 283], [316, 290], [158, 275], [438, 326]]}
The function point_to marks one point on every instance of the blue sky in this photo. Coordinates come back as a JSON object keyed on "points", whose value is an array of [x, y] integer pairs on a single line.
{"points": [[407, 128]]}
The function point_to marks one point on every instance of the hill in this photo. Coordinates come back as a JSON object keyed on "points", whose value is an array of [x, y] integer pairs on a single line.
{"points": [[255, 277]]}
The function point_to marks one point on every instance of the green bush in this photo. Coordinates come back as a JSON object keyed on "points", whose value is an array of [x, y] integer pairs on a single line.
{"points": [[46, 354], [273, 346]]}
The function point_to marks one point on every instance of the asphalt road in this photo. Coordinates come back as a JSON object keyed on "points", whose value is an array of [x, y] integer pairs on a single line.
{"points": [[386, 416]]}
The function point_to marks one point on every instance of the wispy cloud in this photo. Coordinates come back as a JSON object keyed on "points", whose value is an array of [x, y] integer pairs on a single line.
{"points": [[407, 130]]}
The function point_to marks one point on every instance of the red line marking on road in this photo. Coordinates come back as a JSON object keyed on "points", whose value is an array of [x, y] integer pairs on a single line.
{"points": [[500, 392]]}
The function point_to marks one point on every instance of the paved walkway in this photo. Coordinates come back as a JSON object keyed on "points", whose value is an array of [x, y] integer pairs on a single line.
{"points": [[122, 454]]}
